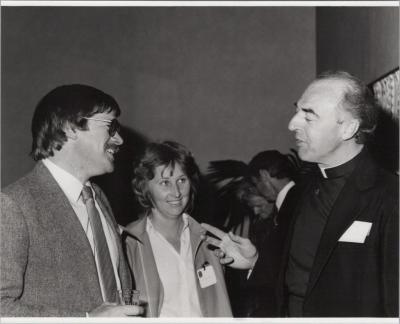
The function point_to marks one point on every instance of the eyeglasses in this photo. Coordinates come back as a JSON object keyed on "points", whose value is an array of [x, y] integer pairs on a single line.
{"points": [[114, 125]]}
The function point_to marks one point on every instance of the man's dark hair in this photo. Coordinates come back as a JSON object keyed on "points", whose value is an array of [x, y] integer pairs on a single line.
{"points": [[358, 100], [65, 105], [277, 164], [166, 154]]}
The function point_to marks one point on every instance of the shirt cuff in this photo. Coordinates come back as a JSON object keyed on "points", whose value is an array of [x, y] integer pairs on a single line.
{"points": [[249, 273]]}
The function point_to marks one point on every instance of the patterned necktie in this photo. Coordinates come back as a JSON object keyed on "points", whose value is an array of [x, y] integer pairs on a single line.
{"points": [[105, 268]]}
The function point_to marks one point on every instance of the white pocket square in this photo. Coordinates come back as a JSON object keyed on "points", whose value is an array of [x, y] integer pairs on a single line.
{"points": [[357, 232]]}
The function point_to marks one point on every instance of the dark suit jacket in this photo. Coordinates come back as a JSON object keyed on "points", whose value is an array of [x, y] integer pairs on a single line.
{"points": [[355, 279], [47, 266]]}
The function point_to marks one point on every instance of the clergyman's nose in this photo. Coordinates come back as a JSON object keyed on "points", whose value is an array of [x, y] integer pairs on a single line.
{"points": [[293, 123]]}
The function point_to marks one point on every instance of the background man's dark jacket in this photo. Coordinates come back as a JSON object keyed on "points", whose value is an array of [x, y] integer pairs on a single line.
{"points": [[256, 296]]}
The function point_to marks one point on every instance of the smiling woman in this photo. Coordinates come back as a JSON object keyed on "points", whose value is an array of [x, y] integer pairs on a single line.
{"points": [[177, 275], [169, 191]]}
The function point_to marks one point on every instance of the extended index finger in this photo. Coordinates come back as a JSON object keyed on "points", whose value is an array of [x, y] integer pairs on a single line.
{"points": [[217, 232]]}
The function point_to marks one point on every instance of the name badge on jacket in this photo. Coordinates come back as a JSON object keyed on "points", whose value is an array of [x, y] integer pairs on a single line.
{"points": [[206, 275], [357, 232]]}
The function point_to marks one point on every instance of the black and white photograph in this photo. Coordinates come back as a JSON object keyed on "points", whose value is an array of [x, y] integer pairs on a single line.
{"points": [[212, 161]]}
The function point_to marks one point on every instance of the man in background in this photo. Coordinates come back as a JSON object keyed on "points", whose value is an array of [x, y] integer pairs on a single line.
{"points": [[271, 199], [342, 256], [272, 173], [60, 249]]}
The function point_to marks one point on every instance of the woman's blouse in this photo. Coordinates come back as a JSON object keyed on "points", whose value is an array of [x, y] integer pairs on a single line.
{"points": [[177, 273]]}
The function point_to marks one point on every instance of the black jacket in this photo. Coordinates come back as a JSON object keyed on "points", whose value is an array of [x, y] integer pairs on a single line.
{"points": [[354, 279]]}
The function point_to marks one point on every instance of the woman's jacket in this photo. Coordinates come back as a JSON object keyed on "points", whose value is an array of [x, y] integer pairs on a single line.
{"points": [[214, 300]]}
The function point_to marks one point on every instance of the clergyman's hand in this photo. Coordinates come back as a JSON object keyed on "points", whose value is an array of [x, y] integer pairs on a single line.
{"points": [[234, 251]]}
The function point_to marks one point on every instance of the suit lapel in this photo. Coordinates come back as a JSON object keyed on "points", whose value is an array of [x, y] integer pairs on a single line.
{"points": [[340, 218], [58, 218], [349, 204], [56, 212]]}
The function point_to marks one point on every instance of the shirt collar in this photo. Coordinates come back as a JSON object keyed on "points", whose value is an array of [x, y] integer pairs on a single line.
{"points": [[70, 185], [185, 218], [282, 194], [341, 170]]}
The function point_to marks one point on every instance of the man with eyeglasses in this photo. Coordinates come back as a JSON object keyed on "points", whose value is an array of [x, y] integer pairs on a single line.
{"points": [[60, 252]]}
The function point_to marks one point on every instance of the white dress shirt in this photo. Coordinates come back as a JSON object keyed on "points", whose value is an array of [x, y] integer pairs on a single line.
{"points": [[72, 188], [282, 194], [177, 273]]}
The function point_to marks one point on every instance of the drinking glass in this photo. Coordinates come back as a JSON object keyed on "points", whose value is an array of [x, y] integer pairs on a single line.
{"points": [[128, 297]]}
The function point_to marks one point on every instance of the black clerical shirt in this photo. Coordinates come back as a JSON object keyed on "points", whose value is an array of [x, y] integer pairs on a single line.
{"points": [[313, 215]]}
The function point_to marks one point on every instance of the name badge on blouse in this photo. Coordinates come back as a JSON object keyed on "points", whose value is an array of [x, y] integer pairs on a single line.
{"points": [[206, 275]]}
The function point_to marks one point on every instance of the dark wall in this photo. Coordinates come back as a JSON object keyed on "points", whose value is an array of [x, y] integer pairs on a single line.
{"points": [[220, 80], [362, 40], [365, 42]]}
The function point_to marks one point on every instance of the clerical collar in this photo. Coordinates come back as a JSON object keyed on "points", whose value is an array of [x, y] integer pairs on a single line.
{"points": [[340, 170]]}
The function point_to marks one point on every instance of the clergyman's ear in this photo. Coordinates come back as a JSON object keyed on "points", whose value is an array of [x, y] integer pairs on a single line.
{"points": [[351, 129]]}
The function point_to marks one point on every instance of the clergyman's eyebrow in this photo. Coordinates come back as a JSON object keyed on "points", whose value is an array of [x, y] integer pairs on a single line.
{"points": [[306, 110]]}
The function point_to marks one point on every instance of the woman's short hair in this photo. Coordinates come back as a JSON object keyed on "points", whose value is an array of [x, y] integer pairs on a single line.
{"points": [[167, 153], [65, 105]]}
